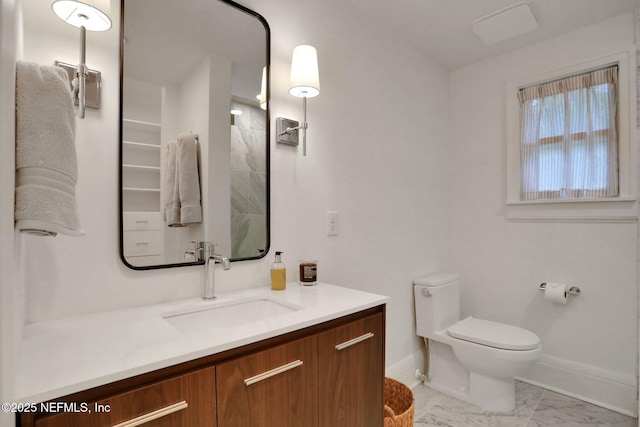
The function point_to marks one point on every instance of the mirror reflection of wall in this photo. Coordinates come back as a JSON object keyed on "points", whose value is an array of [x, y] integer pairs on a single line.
{"points": [[156, 115], [184, 80]]}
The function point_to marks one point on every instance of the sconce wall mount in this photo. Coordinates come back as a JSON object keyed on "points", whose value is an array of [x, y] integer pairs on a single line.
{"points": [[286, 130], [93, 84]]}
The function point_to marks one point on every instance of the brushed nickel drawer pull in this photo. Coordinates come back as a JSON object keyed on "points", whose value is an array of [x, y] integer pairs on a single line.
{"points": [[354, 341], [162, 412], [272, 372]]}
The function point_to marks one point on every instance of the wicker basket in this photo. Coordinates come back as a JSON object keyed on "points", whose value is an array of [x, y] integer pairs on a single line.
{"points": [[398, 404]]}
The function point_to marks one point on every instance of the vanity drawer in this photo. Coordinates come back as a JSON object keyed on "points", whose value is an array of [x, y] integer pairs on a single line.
{"points": [[138, 221], [274, 387], [142, 243], [184, 401]]}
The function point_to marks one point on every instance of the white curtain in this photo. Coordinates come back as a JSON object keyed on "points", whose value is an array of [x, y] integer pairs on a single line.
{"points": [[568, 144]]}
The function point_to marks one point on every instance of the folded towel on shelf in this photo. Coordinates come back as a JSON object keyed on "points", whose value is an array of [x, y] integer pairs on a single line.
{"points": [[170, 191], [46, 162], [189, 180]]}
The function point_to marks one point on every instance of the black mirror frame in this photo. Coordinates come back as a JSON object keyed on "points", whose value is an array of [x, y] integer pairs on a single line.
{"points": [[261, 19]]}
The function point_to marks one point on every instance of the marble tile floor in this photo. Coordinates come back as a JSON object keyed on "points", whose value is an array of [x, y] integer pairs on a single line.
{"points": [[535, 407]]}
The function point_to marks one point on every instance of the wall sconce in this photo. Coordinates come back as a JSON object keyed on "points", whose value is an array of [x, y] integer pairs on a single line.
{"points": [[305, 83], [87, 15]]}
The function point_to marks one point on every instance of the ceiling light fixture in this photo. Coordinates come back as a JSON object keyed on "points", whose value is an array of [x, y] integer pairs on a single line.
{"points": [[505, 23]]}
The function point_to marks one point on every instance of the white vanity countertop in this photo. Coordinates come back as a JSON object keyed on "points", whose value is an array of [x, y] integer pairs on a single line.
{"points": [[68, 355]]}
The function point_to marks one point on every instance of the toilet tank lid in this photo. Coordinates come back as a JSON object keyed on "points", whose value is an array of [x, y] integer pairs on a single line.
{"points": [[494, 334], [437, 279]]}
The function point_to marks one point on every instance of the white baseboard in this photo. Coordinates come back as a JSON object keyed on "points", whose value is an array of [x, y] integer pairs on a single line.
{"points": [[405, 369], [598, 386], [609, 389]]}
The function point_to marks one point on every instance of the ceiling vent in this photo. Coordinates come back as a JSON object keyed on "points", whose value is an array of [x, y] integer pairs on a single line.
{"points": [[505, 23]]}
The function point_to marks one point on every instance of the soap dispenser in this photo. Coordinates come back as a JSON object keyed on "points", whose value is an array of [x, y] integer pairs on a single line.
{"points": [[278, 274]]}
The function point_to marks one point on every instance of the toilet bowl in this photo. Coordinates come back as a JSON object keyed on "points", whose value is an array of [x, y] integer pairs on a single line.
{"points": [[492, 354]]}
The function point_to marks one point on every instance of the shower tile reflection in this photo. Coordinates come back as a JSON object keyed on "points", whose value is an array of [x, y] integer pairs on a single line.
{"points": [[248, 182]]}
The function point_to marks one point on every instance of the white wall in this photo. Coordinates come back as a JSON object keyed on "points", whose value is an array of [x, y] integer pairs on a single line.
{"points": [[502, 263], [376, 140], [637, 40], [376, 137], [11, 294], [191, 103], [217, 156]]}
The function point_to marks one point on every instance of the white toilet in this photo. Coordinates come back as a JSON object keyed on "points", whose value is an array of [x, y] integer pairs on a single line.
{"points": [[489, 354]]}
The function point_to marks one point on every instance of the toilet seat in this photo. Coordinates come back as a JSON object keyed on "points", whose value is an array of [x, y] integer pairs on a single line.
{"points": [[494, 334]]}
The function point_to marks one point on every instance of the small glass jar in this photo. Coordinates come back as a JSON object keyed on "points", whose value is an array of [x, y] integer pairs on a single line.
{"points": [[308, 272]]}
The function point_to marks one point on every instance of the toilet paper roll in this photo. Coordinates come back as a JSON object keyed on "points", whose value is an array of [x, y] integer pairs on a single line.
{"points": [[556, 292]]}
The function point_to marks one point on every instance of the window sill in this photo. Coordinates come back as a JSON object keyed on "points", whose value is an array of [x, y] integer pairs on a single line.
{"points": [[620, 209]]}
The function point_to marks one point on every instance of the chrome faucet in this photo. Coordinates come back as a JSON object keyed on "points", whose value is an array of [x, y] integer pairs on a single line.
{"points": [[197, 253], [210, 260]]}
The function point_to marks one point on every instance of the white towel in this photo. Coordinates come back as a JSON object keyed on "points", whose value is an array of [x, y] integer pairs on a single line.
{"points": [[46, 162], [181, 186], [171, 195], [189, 180]]}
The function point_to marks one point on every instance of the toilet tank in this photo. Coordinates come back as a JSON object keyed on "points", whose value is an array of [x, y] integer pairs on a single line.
{"points": [[437, 303]]}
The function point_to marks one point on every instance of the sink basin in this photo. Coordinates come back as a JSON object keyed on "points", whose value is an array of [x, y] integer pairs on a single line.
{"points": [[232, 313]]}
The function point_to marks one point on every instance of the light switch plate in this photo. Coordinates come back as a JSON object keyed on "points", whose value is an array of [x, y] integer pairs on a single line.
{"points": [[332, 223]]}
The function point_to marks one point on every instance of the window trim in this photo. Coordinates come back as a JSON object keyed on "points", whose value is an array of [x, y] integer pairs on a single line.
{"points": [[620, 208]]}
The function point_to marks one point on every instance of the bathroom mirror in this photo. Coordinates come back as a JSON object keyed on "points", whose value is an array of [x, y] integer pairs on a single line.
{"points": [[194, 151]]}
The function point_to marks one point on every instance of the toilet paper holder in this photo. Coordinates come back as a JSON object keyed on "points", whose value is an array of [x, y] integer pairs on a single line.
{"points": [[573, 290]]}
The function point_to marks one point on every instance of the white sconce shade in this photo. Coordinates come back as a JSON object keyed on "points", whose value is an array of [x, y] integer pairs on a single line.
{"points": [[305, 82], [90, 14], [263, 89]]}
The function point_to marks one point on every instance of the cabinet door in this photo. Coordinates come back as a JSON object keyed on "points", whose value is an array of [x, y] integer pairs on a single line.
{"points": [[184, 401], [352, 374], [274, 387]]}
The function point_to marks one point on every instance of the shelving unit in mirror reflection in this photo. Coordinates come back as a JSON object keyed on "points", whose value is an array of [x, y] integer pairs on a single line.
{"points": [[141, 166], [141, 196]]}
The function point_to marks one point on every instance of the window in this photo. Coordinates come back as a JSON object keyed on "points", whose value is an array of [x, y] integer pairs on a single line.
{"points": [[569, 138], [571, 150]]}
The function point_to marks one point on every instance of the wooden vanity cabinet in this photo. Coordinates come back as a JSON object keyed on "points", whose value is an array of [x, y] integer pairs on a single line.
{"points": [[331, 374], [184, 401]]}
